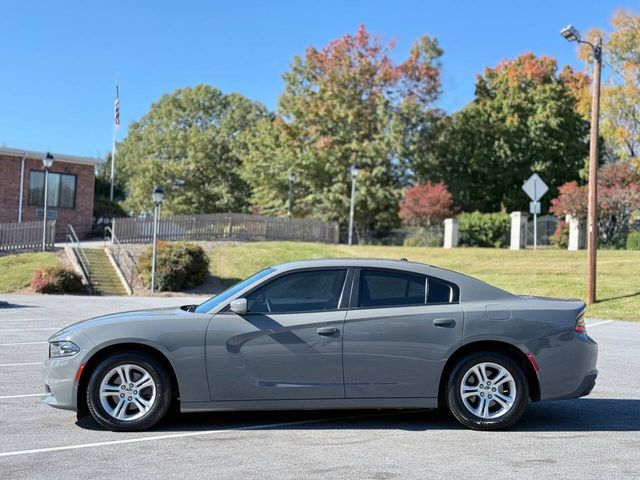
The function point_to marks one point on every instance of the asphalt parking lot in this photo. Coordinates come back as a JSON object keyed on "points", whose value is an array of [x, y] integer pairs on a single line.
{"points": [[594, 437]]}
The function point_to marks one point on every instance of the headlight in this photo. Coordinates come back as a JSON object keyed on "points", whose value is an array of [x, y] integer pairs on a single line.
{"points": [[64, 348]]}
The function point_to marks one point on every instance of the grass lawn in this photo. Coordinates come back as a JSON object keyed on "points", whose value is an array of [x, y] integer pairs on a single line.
{"points": [[16, 271], [546, 272]]}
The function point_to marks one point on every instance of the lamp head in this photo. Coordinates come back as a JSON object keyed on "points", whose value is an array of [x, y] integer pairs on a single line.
{"points": [[292, 177], [47, 160], [570, 33], [354, 170], [158, 195]]}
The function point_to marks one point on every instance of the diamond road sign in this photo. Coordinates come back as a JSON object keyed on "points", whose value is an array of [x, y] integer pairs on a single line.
{"points": [[535, 187]]}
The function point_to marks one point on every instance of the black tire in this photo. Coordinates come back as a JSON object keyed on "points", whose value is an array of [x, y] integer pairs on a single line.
{"points": [[158, 409], [469, 419]]}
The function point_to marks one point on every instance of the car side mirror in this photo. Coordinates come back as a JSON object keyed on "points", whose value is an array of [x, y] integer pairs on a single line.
{"points": [[239, 306]]}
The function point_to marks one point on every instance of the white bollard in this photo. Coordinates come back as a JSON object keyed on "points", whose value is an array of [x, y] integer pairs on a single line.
{"points": [[518, 230], [577, 233], [450, 233]]}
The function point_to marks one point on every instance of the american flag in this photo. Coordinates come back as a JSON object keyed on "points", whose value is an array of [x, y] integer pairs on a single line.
{"points": [[116, 106]]}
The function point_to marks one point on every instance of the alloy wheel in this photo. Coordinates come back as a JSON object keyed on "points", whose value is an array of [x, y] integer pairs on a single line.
{"points": [[127, 392], [488, 390]]}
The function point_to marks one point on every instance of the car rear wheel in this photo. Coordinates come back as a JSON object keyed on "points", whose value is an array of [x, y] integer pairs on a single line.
{"points": [[129, 391], [487, 391]]}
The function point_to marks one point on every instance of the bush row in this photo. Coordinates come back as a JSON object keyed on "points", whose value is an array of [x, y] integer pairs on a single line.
{"points": [[633, 241], [483, 229]]}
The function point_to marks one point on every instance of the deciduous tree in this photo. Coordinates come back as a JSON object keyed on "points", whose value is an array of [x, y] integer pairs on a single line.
{"points": [[523, 119], [620, 94], [192, 143], [346, 103], [618, 198], [426, 204]]}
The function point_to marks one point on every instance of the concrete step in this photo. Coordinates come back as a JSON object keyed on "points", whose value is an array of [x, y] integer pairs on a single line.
{"points": [[104, 279]]}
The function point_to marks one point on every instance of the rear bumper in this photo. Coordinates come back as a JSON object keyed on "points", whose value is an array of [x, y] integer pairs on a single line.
{"points": [[568, 366]]}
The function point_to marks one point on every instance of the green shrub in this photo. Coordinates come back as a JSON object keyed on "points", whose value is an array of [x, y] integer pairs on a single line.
{"points": [[179, 266], [56, 280], [633, 241], [424, 237], [560, 237], [483, 229]]}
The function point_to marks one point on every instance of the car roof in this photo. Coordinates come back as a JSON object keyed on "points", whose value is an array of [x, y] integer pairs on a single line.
{"points": [[471, 288], [400, 264]]}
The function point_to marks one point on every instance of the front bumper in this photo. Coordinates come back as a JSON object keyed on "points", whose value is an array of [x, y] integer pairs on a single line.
{"points": [[60, 382], [60, 386]]}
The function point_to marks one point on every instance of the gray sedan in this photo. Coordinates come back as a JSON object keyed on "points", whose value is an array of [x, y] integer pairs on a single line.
{"points": [[328, 334]]}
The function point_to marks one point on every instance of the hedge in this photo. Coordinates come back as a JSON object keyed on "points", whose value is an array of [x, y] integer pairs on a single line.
{"points": [[483, 229], [633, 241]]}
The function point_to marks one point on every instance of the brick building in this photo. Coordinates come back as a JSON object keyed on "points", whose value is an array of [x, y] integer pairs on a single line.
{"points": [[70, 189]]}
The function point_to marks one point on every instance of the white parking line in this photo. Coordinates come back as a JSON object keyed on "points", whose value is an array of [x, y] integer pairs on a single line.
{"points": [[28, 329], [19, 364], [589, 325], [5, 397], [198, 434], [22, 343], [20, 319]]}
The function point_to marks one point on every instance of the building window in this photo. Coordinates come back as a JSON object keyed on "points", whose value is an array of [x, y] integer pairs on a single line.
{"points": [[61, 194]]}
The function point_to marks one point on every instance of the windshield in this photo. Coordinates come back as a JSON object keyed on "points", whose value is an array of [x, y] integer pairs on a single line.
{"points": [[213, 302]]}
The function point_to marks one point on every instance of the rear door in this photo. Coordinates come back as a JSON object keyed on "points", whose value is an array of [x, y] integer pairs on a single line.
{"points": [[289, 343], [399, 331]]}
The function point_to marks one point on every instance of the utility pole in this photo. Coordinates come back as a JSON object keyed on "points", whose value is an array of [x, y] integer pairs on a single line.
{"points": [[592, 223], [572, 35]]}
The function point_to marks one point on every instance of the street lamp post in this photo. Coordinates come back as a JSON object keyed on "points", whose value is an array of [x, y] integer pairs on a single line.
{"points": [[47, 162], [157, 196], [292, 180], [572, 35], [354, 174]]}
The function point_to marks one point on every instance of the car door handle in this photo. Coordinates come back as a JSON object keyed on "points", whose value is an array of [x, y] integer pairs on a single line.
{"points": [[328, 331], [444, 322]]}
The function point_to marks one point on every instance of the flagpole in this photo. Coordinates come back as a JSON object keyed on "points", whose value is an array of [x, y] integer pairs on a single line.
{"points": [[113, 163], [116, 124]]}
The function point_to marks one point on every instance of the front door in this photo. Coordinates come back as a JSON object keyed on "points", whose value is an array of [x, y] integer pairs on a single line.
{"points": [[287, 346], [398, 336]]}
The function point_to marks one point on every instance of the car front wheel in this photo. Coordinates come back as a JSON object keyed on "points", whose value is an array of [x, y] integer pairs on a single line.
{"points": [[487, 391], [129, 391]]}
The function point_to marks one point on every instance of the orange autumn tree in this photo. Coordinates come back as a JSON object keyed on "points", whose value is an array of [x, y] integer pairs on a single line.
{"points": [[348, 102]]}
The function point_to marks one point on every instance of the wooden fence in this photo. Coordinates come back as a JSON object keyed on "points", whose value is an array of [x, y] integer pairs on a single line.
{"points": [[226, 226], [15, 237]]}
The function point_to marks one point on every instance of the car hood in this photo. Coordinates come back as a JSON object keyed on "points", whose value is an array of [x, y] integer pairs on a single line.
{"points": [[154, 314]]}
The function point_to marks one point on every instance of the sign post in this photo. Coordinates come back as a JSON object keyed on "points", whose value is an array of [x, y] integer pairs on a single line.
{"points": [[535, 188]]}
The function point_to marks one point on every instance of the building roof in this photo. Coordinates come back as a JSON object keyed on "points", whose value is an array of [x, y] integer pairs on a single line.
{"points": [[17, 152]]}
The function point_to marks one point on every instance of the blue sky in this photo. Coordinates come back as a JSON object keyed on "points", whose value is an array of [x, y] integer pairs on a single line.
{"points": [[60, 60]]}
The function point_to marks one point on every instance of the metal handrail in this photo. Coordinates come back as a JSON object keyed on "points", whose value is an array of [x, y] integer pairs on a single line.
{"points": [[81, 256], [123, 259]]}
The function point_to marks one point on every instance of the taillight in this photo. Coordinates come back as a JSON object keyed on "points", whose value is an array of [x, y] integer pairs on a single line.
{"points": [[581, 326]]}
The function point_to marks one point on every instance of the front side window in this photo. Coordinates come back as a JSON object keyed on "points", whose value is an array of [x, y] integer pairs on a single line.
{"points": [[61, 190], [304, 291], [216, 301], [379, 288]]}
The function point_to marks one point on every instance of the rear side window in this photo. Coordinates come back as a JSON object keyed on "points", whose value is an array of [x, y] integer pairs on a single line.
{"points": [[379, 288], [305, 291], [440, 291]]}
